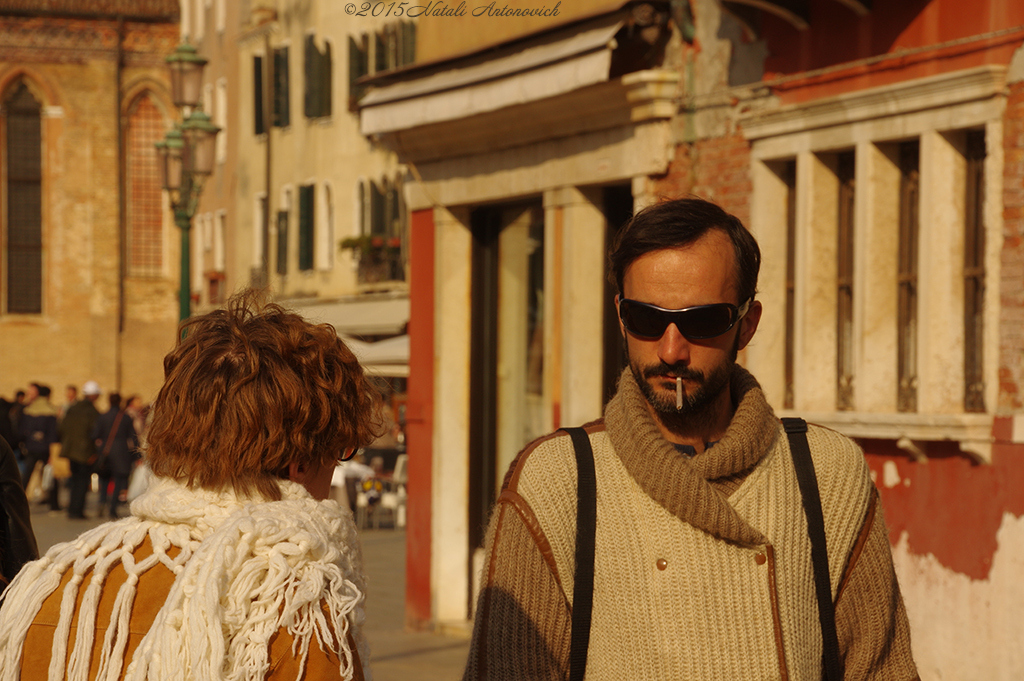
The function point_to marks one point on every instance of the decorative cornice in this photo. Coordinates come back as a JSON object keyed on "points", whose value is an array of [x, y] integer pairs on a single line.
{"points": [[151, 10], [77, 41], [919, 94]]}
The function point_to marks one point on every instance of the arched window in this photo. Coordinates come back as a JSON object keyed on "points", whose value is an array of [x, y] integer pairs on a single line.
{"points": [[23, 217], [144, 196]]}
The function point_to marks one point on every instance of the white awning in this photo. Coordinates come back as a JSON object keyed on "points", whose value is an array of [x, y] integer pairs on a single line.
{"points": [[362, 317], [389, 357], [539, 70]]}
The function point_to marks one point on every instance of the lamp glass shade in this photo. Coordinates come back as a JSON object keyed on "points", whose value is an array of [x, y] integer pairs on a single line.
{"points": [[171, 153], [186, 69], [200, 143]]}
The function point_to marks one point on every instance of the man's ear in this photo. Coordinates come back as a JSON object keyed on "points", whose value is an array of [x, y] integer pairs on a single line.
{"points": [[748, 325], [618, 317]]}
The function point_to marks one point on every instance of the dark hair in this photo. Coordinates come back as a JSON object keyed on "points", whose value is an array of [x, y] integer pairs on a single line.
{"points": [[680, 222], [115, 400], [43, 390], [251, 389]]}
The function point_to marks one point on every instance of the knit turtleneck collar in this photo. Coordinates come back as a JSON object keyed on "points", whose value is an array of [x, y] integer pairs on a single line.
{"points": [[680, 483]]}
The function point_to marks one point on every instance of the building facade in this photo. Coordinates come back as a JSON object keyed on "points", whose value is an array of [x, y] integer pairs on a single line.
{"points": [[308, 206], [88, 280], [875, 151]]}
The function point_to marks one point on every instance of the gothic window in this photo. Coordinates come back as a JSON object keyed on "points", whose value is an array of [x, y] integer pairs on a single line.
{"points": [[23, 218]]}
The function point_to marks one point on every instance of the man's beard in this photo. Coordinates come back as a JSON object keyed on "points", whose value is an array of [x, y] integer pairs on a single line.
{"points": [[698, 411]]}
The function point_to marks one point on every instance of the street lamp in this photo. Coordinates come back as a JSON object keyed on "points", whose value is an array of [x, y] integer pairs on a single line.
{"points": [[186, 156]]}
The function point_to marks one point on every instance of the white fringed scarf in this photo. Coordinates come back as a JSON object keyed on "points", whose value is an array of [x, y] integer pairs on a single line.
{"points": [[246, 569]]}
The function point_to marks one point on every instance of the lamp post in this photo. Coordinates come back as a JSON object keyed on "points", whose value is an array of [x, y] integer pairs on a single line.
{"points": [[186, 156]]}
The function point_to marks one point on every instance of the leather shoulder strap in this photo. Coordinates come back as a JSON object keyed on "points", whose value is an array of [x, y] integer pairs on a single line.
{"points": [[796, 429], [586, 523]]}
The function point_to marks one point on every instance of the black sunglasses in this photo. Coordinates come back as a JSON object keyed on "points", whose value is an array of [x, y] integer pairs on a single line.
{"points": [[695, 323]]}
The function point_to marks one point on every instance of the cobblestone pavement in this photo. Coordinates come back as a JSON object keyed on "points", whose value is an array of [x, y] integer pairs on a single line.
{"points": [[396, 654]]}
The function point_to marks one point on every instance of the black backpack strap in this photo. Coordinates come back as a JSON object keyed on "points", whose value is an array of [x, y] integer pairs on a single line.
{"points": [[796, 429], [583, 582]]}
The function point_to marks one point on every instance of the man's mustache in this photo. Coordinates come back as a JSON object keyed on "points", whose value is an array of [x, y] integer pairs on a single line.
{"points": [[677, 369]]}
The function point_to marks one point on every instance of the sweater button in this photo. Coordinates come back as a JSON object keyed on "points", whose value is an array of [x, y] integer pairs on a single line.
{"points": [[662, 563], [760, 559]]}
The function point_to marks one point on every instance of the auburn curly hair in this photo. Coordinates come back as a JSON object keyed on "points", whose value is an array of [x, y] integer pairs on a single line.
{"points": [[251, 389]]}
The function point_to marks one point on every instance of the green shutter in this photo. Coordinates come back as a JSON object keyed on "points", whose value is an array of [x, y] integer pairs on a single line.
{"points": [[358, 63], [326, 83], [306, 231], [282, 242], [259, 127], [311, 63], [282, 112]]}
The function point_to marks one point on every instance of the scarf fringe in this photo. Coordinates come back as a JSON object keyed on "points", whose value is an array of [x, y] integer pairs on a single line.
{"points": [[246, 570]]}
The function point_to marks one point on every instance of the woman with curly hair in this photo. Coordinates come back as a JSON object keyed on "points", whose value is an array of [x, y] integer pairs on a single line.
{"points": [[231, 564]]}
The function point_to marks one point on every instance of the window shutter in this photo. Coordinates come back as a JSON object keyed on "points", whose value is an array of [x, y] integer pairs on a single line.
{"points": [[306, 227], [408, 29], [380, 57], [259, 126], [282, 242], [282, 114], [358, 63], [311, 62], [377, 218], [326, 83]]}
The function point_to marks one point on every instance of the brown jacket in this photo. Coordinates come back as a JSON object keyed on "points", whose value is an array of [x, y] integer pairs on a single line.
{"points": [[153, 587]]}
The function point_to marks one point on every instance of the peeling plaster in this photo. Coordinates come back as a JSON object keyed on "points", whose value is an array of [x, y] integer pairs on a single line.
{"points": [[963, 628], [950, 507]]}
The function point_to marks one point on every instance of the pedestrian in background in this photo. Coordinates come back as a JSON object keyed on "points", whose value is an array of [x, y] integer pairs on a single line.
{"points": [[117, 450], [38, 429], [79, 446], [231, 564]]}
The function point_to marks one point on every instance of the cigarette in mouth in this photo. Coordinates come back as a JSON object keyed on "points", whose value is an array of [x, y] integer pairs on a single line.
{"points": [[679, 393]]}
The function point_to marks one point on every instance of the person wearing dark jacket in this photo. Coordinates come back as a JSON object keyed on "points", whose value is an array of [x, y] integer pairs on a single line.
{"points": [[38, 429], [117, 445], [79, 446], [17, 542]]}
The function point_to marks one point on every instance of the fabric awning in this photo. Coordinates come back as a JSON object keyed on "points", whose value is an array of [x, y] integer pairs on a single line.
{"points": [[389, 357], [371, 316], [560, 63]]}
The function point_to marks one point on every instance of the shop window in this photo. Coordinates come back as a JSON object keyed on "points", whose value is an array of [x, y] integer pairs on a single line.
{"points": [[844, 282], [879, 321], [906, 304], [974, 272]]}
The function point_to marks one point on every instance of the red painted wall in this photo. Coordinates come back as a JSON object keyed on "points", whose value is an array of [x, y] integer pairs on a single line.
{"points": [[837, 36], [419, 427], [1011, 310], [950, 506]]}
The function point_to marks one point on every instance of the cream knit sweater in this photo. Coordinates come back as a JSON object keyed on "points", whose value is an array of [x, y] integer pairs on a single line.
{"points": [[690, 582]]}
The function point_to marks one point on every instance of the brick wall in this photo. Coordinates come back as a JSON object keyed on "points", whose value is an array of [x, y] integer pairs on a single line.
{"points": [[1011, 339], [717, 169]]}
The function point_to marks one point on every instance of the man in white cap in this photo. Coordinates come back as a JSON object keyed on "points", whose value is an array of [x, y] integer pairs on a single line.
{"points": [[78, 446]]}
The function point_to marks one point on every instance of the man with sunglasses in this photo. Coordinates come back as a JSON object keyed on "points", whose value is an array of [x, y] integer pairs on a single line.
{"points": [[702, 565]]}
